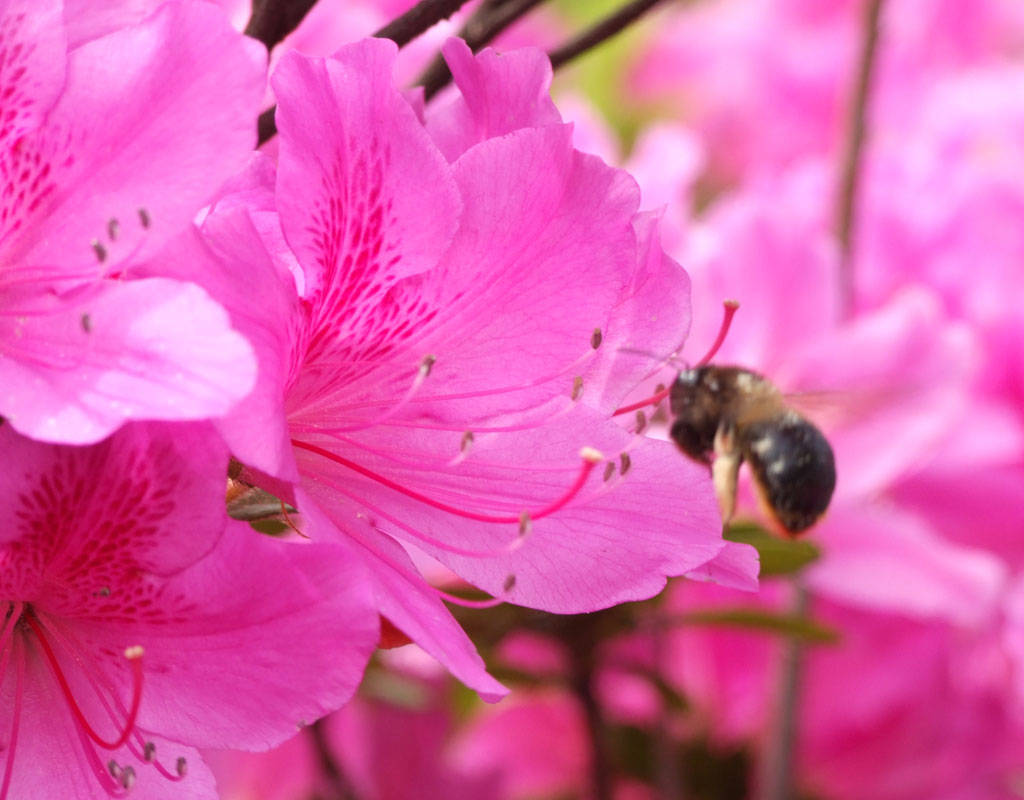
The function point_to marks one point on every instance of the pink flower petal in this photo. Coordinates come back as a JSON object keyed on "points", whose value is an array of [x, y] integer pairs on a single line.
{"points": [[244, 667], [402, 595], [153, 479], [735, 567], [111, 146], [264, 306], [146, 349], [613, 543], [498, 93], [650, 321], [138, 560], [357, 176], [885, 559], [90, 19], [553, 233]]}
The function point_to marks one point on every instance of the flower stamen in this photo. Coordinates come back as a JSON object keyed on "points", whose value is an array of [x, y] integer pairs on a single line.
{"points": [[729, 308], [19, 693], [589, 457], [134, 656]]}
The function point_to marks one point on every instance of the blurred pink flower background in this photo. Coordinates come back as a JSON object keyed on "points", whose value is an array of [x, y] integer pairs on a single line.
{"points": [[401, 319]]}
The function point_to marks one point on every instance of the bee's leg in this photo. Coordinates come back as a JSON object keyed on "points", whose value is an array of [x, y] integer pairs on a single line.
{"points": [[726, 468]]}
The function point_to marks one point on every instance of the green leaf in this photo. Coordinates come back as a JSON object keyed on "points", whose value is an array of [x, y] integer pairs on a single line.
{"points": [[793, 625], [779, 556]]}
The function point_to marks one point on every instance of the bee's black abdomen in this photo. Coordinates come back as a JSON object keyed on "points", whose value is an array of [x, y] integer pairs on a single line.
{"points": [[793, 466]]}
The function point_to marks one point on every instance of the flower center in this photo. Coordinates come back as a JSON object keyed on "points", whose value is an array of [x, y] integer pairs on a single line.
{"points": [[59, 646]]}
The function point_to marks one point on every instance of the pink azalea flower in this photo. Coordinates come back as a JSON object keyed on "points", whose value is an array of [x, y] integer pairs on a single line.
{"points": [[467, 316], [139, 625], [95, 185]]}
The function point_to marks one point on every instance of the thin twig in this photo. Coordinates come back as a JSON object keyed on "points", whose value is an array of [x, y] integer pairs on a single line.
{"points": [[487, 22], [776, 775], [334, 779], [418, 19], [402, 30], [668, 765], [272, 20], [583, 688], [856, 136], [603, 30]]}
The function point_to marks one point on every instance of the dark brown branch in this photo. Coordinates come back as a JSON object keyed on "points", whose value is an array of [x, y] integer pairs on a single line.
{"points": [[603, 30], [856, 136], [585, 635], [272, 20], [334, 781], [777, 767], [418, 19], [487, 22]]}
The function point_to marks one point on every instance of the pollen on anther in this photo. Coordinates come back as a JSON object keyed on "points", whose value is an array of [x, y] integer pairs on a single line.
{"points": [[133, 652], [427, 364], [86, 323], [525, 523], [609, 470], [128, 777], [113, 226], [577, 387], [149, 751], [625, 462], [114, 769], [510, 583], [99, 250], [181, 767], [467, 441], [641, 421], [144, 219], [591, 454], [596, 338]]}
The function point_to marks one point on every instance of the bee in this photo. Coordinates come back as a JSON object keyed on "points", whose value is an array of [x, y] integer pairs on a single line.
{"points": [[727, 415]]}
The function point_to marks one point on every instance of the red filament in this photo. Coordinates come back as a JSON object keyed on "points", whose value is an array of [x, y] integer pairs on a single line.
{"points": [[133, 711], [12, 745], [653, 400], [551, 508], [729, 308]]}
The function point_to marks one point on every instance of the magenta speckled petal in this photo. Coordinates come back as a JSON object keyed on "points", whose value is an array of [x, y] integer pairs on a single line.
{"points": [[32, 65], [125, 545]]}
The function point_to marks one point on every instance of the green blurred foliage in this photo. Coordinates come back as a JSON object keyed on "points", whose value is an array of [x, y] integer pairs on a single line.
{"points": [[779, 556]]}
